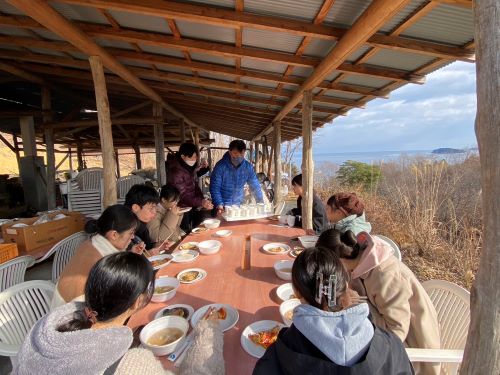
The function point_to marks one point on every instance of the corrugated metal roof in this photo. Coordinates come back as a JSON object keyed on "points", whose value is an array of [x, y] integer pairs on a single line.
{"points": [[302, 71], [366, 81], [399, 60], [217, 76], [5, 7], [45, 51], [173, 69], [79, 13], [343, 95], [358, 53], [79, 55], [113, 43], [217, 3], [445, 24], [14, 31], [206, 32], [161, 50], [46, 34], [332, 76], [135, 63], [319, 47], [265, 39], [298, 9], [345, 12], [198, 56], [401, 16], [140, 21], [10, 48], [263, 65], [258, 82]]}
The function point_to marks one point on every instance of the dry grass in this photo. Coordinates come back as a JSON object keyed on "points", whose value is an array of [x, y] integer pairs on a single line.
{"points": [[432, 210]]}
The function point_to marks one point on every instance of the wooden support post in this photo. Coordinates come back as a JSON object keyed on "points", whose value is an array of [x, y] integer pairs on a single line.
{"points": [[182, 129], [28, 135], [18, 153], [105, 131], [117, 161], [270, 163], [482, 354], [278, 195], [79, 156], [257, 157], [307, 161], [159, 146], [251, 152], [197, 137], [49, 144], [209, 154], [137, 151], [70, 160]]}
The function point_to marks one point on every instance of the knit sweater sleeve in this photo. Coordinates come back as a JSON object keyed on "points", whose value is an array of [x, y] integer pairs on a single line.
{"points": [[139, 362]]}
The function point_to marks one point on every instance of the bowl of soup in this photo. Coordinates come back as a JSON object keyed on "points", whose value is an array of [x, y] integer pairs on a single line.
{"points": [[162, 336], [283, 269], [211, 223], [165, 289], [286, 310]]}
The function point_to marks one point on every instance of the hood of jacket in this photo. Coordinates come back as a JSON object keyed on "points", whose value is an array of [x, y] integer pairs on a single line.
{"points": [[343, 336], [354, 223], [375, 252], [89, 351]]}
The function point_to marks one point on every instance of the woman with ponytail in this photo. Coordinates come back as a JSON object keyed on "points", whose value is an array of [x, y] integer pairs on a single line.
{"points": [[111, 233], [398, 302], [91, 337], [331, 332]]}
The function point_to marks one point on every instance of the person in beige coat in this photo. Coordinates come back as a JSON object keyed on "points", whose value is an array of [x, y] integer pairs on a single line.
{"points": [[398, 302], [166, 223]]}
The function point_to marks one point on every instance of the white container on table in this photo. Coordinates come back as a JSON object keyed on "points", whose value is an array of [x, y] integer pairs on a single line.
{"points": [[159, 324], [209, 247], [165, 281], [261, 208], [252, 210]]}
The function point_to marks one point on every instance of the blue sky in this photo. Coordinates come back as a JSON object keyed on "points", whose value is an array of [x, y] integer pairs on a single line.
{"points": [[439, 113]]}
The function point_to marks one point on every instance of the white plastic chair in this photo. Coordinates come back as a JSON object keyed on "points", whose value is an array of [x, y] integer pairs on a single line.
{"points": [[12, 272], [85, 192], [395, 247], [452, 304], [64, 250], [21, 306], [125, 183]]}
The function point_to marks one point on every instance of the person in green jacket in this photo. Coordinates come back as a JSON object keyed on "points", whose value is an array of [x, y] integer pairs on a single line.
{"points": [[345, 211]]}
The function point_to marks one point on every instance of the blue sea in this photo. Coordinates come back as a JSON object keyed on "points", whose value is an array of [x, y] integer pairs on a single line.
{"points": [[378, 156]]}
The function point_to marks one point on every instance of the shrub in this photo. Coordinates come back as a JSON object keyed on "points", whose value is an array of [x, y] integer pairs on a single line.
{"points": [[354, 173]]}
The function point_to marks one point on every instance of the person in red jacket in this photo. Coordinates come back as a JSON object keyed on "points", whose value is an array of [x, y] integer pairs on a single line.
{"points": [[182, 174]]}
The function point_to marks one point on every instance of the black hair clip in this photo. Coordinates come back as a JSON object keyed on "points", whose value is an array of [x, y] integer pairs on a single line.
{"points": [[328, 290]]}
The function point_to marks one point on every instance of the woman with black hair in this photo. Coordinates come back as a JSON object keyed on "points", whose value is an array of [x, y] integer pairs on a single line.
{"points": [[319, 215], [331, 332], [91, 337], [166, 224], [182, 174], [111, 233], [398, 301]]}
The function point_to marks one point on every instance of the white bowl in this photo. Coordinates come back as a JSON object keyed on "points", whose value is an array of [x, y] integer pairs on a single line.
{"points": [[165, 281], [308, 241], [211, 223], [159, 324], [223, 233], [283, 219], [288, 306], [209, 247], [280, 265], [285, 292]]}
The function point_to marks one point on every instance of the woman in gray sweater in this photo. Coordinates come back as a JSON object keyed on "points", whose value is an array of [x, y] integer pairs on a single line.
{"points": [[92, 338]]}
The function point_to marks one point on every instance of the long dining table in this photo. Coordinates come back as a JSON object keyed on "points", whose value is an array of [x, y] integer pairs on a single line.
{"points": [[241, 274]]}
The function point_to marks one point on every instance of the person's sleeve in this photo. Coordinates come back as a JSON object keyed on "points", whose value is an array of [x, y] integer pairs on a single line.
{"points": [[163, 226], [139, 362], [189, 196], [318, 215], [202, 171], [215, 186], [205, 356], [390, 294], [154, 227], [254, 184]]}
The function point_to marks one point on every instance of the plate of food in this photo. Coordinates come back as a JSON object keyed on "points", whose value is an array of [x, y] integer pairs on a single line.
{"points": [[189, 246], [199, 230], [191, 275], [276, 248], [285, 292], [160, 261], [258, 336], [227, 315], [296, 251], [184, 311], [184, 256]]}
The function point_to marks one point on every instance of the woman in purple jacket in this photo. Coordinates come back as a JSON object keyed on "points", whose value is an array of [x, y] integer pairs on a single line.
{"points": [[182, 175]]}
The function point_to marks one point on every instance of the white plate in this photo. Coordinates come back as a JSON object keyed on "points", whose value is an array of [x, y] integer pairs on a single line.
{"points": [[184, 256], [189, 308], [284, 248], [184, 210], [199, 230], [160, 257], [250, 347], [223, 233], [285, 292], [231, 319], [188, 245], [202, 274]]}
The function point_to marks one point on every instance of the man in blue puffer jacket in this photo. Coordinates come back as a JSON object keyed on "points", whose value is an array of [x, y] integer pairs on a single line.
{"points": [[229, 177]]}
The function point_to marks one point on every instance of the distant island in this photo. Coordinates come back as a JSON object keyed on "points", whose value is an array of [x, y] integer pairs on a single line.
{"points": [[446, 150]]}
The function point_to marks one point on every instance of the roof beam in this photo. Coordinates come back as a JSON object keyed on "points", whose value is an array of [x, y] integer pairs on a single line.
{"points": [[377, 13], [43, 13], [236, 19]]}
